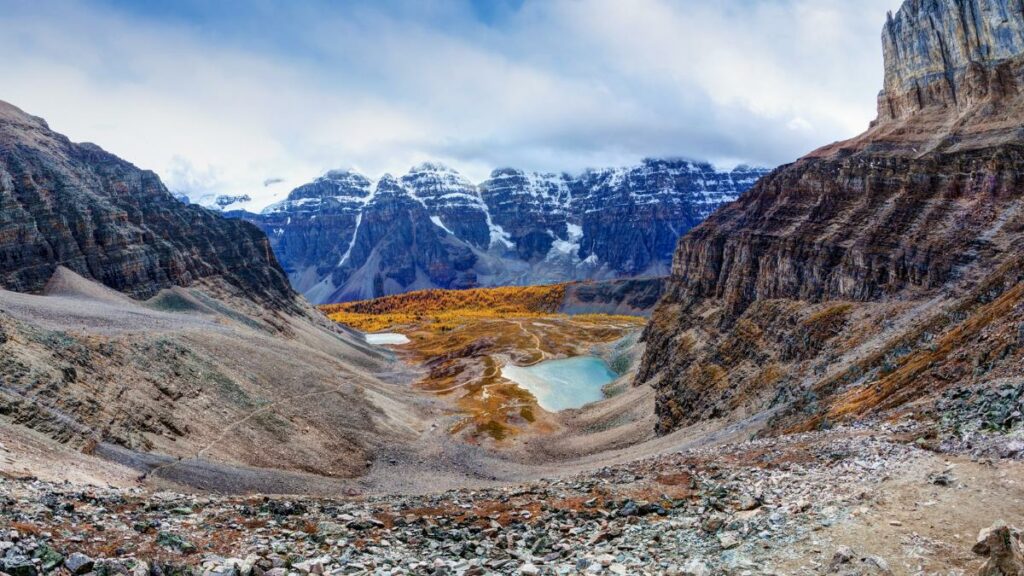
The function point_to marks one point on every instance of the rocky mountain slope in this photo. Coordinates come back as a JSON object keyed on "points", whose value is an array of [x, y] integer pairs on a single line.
{"points": [[74, 205], [167, 337], [344, 237], [875, 272]]}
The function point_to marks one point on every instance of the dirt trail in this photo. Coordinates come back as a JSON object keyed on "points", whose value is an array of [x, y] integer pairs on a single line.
{"points": [[536, 342]]}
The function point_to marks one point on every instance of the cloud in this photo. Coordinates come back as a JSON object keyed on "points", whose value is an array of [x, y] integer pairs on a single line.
{"points": [[221, 97]]}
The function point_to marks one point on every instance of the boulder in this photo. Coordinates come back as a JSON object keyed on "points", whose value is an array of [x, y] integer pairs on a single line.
{"points": [[1001, 545]]}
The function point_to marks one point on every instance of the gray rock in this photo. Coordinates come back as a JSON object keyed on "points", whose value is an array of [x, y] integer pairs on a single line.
{"points": [[747, 502], [695, 567], [18, 566], [79, 563], [713, 524], [628, 509], [529, 569], [729, 540]]}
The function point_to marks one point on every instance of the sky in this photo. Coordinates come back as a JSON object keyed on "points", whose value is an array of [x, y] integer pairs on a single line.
{"points": [[257, 97]]}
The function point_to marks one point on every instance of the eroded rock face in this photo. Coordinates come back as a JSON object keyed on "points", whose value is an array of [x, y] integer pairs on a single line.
{"points": [[948, 53], [452, 202], [859, 227], [74, 205], [311, 230], [532, 209], [810, 291]]}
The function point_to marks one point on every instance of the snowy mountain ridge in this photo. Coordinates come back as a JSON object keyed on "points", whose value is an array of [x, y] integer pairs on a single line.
{"points": [[345, 236]]}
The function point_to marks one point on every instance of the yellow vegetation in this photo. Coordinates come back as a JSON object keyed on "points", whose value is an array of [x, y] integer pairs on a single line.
{"points": [[908, 377], [463, 338], [505, 299], [443, 310]]}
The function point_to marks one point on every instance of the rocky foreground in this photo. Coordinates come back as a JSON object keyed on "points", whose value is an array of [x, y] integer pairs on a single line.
{"points": [[847, 501]]}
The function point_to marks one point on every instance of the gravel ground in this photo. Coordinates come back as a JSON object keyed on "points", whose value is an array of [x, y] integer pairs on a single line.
{"points": [[847, 501]]}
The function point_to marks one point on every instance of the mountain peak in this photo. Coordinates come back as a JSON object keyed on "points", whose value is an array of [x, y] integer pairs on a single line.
{"points": [[948, 54], [515, 227], [341, 183], [11, 113], [389, 183], [432, 167], [343, 174], [891, 230]]}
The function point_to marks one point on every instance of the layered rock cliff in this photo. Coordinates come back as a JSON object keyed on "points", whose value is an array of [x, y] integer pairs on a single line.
{"points": [[514, 228], [74, 205], [842, 269]]}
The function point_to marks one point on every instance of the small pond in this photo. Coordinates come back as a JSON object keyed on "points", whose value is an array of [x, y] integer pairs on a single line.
{"points": [[387, 338], [562, 384]]}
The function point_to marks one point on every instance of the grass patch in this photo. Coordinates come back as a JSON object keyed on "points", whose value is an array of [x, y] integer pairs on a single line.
{"points": [[494, 429]]}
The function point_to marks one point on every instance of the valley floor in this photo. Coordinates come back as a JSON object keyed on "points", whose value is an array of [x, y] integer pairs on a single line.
{"points": [[452, 476]]}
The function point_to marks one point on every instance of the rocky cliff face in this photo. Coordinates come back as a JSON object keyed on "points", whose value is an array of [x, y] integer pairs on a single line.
{"points": [[531, 210], [398, 246], [214, 360], [452, 202], [74, 205], [631, 219], [514, 228], [949, 54], [822, 292], [313, 228]]}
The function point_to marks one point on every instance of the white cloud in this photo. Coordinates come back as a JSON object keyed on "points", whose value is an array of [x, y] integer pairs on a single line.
{"points": [[557, 85]]}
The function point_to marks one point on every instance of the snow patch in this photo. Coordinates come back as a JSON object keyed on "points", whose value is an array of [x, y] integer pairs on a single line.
{"points": [[498, 233], [575, 231], [565, 247], [437, 222], [386, 339], [359, 220]]}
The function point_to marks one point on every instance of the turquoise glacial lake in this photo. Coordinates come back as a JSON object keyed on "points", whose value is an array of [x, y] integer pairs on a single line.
{"points": [[563, 384]]}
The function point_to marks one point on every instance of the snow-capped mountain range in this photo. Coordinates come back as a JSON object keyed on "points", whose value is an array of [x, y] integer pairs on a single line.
{"points": [[345, 237]]}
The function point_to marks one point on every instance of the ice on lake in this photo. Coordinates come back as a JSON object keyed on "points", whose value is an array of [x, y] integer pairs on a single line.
{"points": [[387, 339], [562, 384]]}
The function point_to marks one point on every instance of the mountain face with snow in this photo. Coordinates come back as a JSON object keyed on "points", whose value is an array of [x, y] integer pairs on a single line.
{"points": [[345, 237], [216, 202]]}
